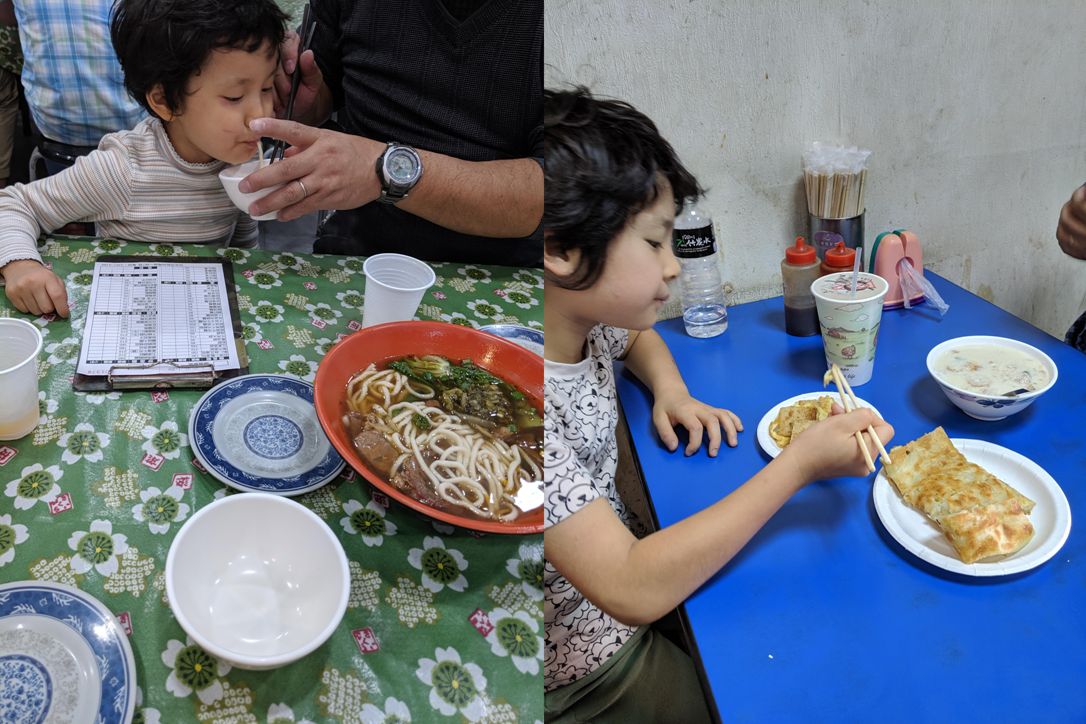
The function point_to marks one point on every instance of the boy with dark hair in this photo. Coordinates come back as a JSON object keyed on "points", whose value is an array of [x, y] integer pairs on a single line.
{"points": [[204, 69], [613, 186]]}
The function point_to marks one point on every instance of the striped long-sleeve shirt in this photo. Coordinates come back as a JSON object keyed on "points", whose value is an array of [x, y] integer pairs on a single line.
{"points": [[134, 186]]}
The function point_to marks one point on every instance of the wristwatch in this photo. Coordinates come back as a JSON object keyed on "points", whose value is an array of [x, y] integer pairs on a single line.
{"points": [[399, 168]]}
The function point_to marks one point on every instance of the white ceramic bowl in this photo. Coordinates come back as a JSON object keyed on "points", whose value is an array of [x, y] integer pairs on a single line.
{"points": [[990, 407], [257, 580], [231, 176]]}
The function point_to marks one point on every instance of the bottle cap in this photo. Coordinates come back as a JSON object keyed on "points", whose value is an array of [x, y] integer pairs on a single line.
{"points": [[840, 256], [801, 253]]}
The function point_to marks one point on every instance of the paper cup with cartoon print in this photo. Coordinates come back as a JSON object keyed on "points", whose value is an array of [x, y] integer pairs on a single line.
{"points": [[850, 323]]}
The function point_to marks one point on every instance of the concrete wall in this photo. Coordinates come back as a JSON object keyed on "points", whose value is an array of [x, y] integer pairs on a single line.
{"points": [[975, 112]]}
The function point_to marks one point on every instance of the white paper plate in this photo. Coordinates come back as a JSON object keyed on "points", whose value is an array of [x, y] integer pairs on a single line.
{"points": [[1051, 516], [763, 427]]}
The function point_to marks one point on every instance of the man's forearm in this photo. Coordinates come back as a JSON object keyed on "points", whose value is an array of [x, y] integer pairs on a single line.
{"points": [[484, 198]]}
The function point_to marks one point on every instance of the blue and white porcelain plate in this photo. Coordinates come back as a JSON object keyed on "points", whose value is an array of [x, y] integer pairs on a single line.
{"points": [[261, 433], [528, 338], [63, 657]]}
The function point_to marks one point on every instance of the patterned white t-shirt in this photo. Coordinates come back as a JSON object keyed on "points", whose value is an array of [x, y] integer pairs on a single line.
{"points": [[580, 454]]}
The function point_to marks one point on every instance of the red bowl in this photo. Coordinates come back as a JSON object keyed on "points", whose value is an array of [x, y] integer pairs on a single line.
{"points": [[384, 342]]}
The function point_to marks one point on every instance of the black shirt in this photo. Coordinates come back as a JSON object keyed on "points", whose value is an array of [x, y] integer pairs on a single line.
{"points": [[409, 71]]}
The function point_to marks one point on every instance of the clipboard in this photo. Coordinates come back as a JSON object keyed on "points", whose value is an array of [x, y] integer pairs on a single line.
{"points": [[171, 375]]}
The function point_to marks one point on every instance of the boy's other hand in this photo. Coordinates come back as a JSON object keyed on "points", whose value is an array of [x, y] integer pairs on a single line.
{"points": [[679, 408], [829, 449], [33, 288]]}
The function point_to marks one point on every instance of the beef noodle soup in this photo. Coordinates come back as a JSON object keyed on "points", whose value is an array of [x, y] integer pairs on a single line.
{"points": [[451, 435]]}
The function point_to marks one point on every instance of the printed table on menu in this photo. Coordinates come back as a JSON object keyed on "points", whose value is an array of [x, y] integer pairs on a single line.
{"points": [[157, 313]]}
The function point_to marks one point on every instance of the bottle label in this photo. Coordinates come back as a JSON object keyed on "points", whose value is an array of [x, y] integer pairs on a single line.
{"points": [[694, 243]]}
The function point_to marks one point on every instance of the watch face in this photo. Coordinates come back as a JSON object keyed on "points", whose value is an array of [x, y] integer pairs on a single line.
{"points": [[401, 166]]}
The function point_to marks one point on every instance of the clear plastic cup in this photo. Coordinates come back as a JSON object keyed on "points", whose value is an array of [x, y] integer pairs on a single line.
{"points": [[850, 322], [20, 345], [395, 284], [231, 177]]}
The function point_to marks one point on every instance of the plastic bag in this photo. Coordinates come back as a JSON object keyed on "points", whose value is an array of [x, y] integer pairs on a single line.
{"points": [[913, 285]]}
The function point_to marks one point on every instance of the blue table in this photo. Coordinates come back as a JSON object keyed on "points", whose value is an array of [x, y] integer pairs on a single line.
{"points": [[824, 617]]}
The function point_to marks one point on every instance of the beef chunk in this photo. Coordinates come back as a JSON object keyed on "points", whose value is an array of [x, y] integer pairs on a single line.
{"points": [[376, 450]]}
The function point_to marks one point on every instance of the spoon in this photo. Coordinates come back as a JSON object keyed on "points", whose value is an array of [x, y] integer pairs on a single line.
{"points": [[1015, 393]]}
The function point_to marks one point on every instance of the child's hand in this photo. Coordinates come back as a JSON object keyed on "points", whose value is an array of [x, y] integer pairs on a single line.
{"points": [[33, 288], [679, 408], [829, 449]]}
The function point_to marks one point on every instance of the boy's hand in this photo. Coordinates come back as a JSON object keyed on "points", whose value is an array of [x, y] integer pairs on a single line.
{"points": [[33, 288], [829, 449], [679, 408]]}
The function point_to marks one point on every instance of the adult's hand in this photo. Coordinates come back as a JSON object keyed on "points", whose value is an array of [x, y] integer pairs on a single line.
{"points": [[1072, 229], [309, 85], [322, 170]]}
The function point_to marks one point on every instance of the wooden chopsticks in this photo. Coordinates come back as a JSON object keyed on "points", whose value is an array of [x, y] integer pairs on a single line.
{"points": [[850, 403], [307, 28]]}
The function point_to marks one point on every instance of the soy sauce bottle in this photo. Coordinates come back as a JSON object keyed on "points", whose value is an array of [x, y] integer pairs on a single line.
{"points": [[798, 270], [838, 258]]}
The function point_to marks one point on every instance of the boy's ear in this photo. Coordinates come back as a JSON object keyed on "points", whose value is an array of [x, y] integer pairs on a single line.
{"points": [[557, 261], [156, 98]]}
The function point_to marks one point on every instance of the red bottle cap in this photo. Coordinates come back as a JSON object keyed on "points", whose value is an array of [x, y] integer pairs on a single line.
{"points": [[801, 253], [840, 256]]}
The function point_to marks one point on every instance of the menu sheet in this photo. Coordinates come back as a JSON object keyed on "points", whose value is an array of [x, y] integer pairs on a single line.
{"points": [[161, 317]]}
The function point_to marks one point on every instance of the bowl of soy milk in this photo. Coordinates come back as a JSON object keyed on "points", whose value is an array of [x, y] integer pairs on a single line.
{"points": [[990, 378]]}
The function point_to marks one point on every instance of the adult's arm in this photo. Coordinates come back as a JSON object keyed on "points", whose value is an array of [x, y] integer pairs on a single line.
{"points": [[1071, 232], [338, 171]]}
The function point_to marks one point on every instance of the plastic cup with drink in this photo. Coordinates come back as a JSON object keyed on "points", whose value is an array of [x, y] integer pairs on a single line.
{"points": [[20, 345], [850, 321], [395, 284]]}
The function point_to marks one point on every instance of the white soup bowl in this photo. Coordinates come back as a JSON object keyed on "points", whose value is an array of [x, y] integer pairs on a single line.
{"points": [[257, 580], [990, 407]]}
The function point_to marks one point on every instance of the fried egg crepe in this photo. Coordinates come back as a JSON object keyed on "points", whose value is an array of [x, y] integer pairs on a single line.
{"points": [[794, 419], [980, 515]]}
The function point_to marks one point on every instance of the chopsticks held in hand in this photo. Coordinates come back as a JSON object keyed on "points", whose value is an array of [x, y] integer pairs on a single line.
{"points": [[849, 402], [307, 28]]}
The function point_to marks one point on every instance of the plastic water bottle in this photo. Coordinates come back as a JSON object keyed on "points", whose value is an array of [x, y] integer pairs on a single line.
{"points": [[705, 313]]}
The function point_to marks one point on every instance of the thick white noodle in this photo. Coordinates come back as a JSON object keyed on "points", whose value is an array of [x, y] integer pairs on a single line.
{"points": [[465, 467]]}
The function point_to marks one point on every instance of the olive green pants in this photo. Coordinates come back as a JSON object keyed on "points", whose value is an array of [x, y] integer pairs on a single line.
{"points": [[649, 680]]}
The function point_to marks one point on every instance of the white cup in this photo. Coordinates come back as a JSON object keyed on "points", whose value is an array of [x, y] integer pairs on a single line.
{"points": [[20, 345], [850, 321], [395, 284], [231, 176]]}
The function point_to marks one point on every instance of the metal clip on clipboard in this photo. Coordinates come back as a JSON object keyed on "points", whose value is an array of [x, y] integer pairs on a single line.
{"points": [[192, 375]]}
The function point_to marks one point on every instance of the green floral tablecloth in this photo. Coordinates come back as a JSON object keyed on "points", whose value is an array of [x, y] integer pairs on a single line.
{"points": [[463, 642]]}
